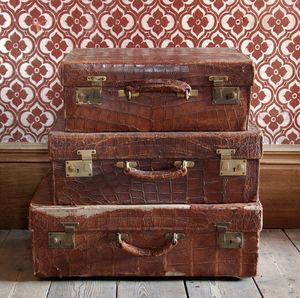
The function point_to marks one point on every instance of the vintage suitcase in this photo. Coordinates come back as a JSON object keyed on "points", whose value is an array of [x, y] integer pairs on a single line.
{"points": [[173, 89], [154, 168], [143, 240]]}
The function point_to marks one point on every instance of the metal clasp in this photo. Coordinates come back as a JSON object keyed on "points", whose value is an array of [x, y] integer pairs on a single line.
{"points": [[229, 166], [126, 165], [227, 239], [184, 164], [80, 168], [221, 94], [64, 239]]}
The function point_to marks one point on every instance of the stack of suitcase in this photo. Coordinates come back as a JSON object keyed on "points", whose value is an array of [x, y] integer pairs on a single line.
{"points": [[155, 167]]}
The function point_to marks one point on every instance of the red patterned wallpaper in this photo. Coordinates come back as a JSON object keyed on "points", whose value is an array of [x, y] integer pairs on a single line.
{"points": [[36, 35]]}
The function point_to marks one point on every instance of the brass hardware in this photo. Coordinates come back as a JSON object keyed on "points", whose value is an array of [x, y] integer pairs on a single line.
{"points": [[229, 166], [64, 239], [88, 96], [184, 164], [218, 80], [174, 237], [80, 168], [227, 239], [96, 80], [129, 94], [188, 94], [224, 95], [125, 165], [121, 237]]}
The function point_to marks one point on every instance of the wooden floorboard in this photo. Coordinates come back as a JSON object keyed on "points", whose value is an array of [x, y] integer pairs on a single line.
{"points": [[245, 288], [279, 266], [294, 236], [16, 279], [82, 289], [278, 275], [151, 289]]}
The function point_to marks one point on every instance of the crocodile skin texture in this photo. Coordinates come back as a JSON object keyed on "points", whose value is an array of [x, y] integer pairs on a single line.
{"points": [[133, 145], [155, 152], [156, 111], [97, 252], [109, 185]]}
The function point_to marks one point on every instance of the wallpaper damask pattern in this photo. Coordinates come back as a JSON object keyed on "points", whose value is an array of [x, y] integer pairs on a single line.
{"points": [[36, 35]]}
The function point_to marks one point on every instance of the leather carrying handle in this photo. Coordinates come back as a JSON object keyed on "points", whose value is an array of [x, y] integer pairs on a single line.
{"points": [[158, 85], [180, 170], [156, 175], [148, 252]]}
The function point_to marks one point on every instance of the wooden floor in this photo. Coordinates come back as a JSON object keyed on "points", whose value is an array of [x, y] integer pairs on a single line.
{"points": [[279, 275]]}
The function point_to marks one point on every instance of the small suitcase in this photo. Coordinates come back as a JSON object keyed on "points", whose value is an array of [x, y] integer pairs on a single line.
{"points": [[154, 168], [173, 89], [143, 240]]}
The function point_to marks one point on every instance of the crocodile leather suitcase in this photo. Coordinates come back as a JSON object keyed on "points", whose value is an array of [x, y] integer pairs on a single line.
{"points": [[173, 89], [143, 240], [154, 168]]}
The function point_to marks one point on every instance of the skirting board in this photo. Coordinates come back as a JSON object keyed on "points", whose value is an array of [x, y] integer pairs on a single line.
{"points": [[22, 167]]}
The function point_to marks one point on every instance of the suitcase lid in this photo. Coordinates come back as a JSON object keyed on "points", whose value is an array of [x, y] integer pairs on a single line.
{"points": [[118, 67], [155, 145]]}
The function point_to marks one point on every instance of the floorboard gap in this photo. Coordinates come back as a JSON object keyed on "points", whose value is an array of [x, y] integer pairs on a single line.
{"points": [[257, 287], [290, 240], [186, 290]]}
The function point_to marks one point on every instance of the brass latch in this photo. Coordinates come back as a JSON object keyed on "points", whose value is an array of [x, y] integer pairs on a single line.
{"points": [[64, 239], [80, 168], [88, 95], [229, 166], [221, 94], [227, 239], [96, 80]]}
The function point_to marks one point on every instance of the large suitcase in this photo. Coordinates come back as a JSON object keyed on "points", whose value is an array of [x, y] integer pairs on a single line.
{"points": [[154, 168], [143, 240], [173, 89]]}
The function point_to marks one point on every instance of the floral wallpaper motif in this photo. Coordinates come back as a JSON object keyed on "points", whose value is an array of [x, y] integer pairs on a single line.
{"points": [[36, 35]]}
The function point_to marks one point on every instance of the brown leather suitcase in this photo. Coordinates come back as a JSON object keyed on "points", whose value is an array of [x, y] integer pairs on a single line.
{"points": [[143, 240], [154, 168], [173, 89]]}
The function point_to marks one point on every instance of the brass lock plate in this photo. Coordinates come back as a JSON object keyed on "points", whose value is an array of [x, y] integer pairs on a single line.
{"points": [[88, 96], [233, 167], [80, 168], [230, 166], [64, 239], [226, 95], [227, 239]]}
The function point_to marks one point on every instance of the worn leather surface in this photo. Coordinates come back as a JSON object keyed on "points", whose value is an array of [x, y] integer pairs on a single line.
{"points": [[109, 185], [156, 111], [155, 175], [156, 145], [158, 85], [154, 152], [97, 253]]}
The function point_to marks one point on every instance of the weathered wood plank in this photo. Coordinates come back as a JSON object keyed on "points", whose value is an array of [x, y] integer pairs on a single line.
{"points": [[151, 289], [294, 236], [278, 267], [81, 289], [16, 279], [221, 288]]}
